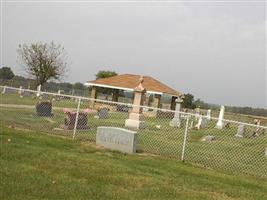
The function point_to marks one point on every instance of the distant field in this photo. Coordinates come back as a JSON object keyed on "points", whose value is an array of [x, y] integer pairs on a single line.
{"points": [[41, 166]]}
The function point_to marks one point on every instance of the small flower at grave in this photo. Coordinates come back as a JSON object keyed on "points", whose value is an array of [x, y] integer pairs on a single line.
{"points": [[158, 126], [9, 140]]}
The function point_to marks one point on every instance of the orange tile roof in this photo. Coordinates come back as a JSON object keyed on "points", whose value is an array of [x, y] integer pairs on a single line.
{"points": [[130, 81]]}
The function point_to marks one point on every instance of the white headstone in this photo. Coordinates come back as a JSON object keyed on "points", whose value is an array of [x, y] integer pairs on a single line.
{"points": [[38, 90], [240, 131], [117, 139], [202, 122], [220, 123], [265, 151], [197, 115], [58, 92], [4, 90], [208, 138], [208, 114], [176, 121]]}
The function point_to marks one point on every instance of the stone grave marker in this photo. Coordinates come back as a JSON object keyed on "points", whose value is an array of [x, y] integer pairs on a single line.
{"points": [[117, 139], [44, 109], [70, 118], [240, 131], [176, 121], [208, 115], [136, 117], [208, 138], [103, 113], [39, 87], [202, 122], [4, 90], [220, 123]]}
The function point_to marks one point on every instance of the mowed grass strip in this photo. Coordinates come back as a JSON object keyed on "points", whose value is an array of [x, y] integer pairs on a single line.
{"points": [[38, 166]]}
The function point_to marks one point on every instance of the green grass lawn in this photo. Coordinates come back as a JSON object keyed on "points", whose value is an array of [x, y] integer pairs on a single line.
{"points": [[41, 166]]}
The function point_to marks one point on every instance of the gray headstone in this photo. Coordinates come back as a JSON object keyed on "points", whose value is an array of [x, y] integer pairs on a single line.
{"points": [[103, 113], [208, 138], [117, 139], [240, 131]]}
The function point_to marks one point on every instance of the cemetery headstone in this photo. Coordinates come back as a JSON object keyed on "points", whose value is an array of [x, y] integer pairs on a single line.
{"points": [[4, 90], [197, 113], [39, 87], [202, 122], [70, 119], [176, 121], [21, 91], [208, 114], [103, 113], [44, 109], [117, 139], [220, 123], [208, 138], [240, 131], [265, 151], [136, 117]]}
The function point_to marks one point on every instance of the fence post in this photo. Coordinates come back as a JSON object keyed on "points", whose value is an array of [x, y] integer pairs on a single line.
{"points": [[185, 137], [76, 119]]}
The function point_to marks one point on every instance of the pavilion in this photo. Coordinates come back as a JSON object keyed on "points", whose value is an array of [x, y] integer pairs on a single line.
{"points": [[127, 82]]}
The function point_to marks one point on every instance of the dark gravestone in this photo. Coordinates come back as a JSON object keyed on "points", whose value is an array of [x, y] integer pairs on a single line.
{"points": [[44, 109], [103, 113], [70, 119]]}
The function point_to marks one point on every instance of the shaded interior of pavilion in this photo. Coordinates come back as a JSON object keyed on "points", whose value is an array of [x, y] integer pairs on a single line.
{"points": [[107, 89]]}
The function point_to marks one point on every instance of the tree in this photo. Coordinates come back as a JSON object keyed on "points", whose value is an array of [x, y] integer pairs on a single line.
{"points": [[78, 86], [43, 61], [188, 101], [6, 73], [105, 74]]}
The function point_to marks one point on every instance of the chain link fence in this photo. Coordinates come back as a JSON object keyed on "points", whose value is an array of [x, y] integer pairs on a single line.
{"points": [[233, 146]]}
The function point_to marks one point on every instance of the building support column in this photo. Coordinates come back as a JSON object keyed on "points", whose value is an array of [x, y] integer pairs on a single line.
{"points": [[115, 95], [93, 95]]}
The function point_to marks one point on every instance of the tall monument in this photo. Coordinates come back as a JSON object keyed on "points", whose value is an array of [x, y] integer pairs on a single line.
{"points": [[176, 121], [220, 123], [136, 117]]}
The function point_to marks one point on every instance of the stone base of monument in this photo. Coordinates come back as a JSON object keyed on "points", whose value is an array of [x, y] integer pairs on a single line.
{"points": [[135, 121], [220, 125], [136, 124], [117, 139], [175, 123]]}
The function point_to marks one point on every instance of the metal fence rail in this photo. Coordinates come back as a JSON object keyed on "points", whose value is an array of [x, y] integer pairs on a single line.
{"points": [[238, 147]]}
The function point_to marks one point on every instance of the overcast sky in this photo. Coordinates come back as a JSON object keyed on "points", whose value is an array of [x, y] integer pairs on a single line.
{"points": [[216, 51]]}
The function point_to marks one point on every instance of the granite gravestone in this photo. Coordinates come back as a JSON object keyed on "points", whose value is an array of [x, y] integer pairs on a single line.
{"points": [[70, 119], [44, 109], [117, 139], [240, 131], [103, 113]]}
